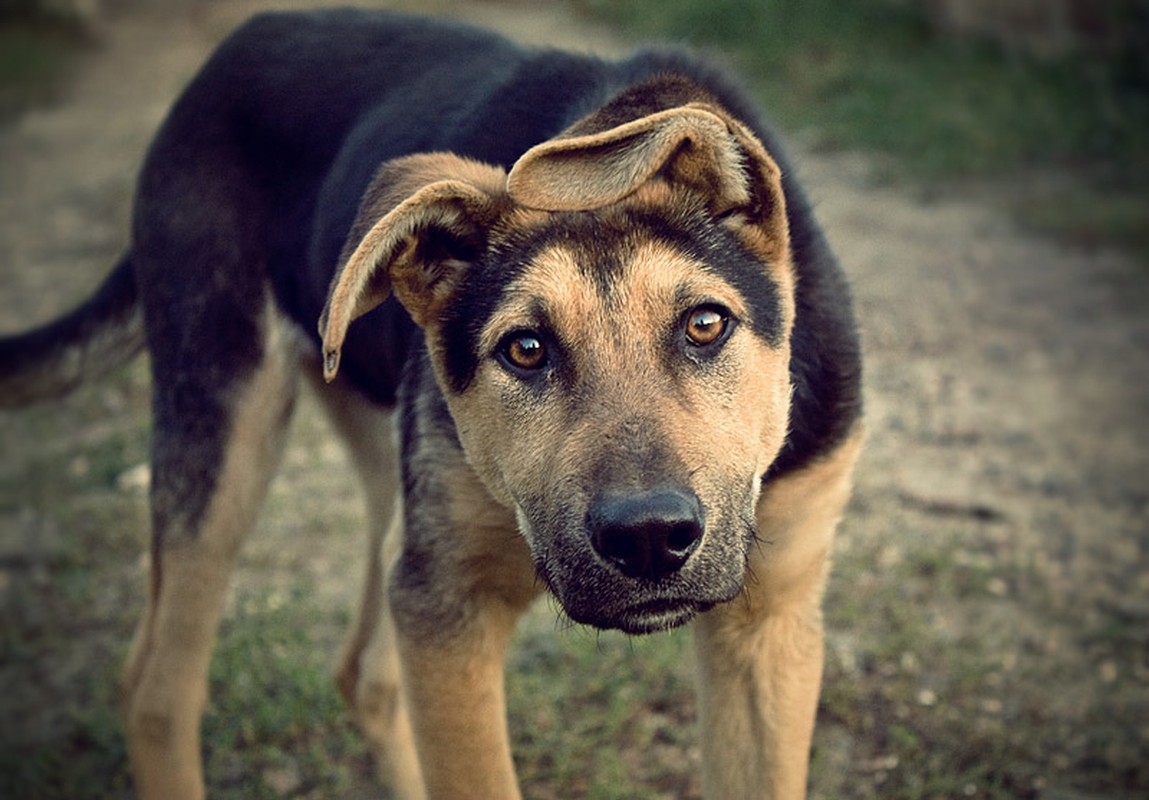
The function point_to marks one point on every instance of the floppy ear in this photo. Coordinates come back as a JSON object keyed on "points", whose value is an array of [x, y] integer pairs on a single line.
{"points": [[421, 221], [688, 144], [696, 146]]}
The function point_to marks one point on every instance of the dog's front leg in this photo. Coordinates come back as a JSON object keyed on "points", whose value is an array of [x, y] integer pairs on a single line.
{"points": [[758, 687], [760, 656], [463, 579], [455, 694]]}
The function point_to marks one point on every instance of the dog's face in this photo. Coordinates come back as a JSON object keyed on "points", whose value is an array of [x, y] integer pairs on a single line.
{"points": [[609, 326]]}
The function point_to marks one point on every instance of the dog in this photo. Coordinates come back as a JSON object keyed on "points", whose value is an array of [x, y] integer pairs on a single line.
{"points": [[579, 329]]}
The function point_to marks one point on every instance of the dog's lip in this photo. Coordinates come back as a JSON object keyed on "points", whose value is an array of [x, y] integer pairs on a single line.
{"points": [[657, 615], [646, 616]]}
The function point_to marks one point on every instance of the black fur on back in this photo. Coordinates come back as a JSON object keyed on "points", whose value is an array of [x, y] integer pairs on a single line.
{"points": [[308, 104]]}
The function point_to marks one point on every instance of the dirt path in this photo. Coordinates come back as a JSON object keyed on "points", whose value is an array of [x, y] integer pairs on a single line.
{"points": [[1007, 377]]}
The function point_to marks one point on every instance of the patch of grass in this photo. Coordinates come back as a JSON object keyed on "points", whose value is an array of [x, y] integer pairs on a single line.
{"points": [[943, 680], [72, 587], [874, 76], [37, 52], [87, 760], [276, 725], [572, 691]]}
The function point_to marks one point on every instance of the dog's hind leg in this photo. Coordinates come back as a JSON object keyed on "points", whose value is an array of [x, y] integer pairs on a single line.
{"points": [[367, 671], [216, 443], [760, 656]]}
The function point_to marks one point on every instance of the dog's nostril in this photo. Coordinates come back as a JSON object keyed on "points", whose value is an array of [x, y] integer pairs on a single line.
{"points": [[649, 535], [682, 538]]}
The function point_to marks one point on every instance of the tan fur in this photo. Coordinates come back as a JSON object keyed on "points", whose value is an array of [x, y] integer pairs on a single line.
{"points": [[165, 680], [457, 701], [553, 279], [557, 175], [760, 657], [744, 418], [454, 686], [766, 229], [444, 190]]}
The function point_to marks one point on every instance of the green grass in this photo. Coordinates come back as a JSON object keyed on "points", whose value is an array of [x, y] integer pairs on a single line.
{"points": [[275, 724], [946, 677], [637, 691], [873, 76]]}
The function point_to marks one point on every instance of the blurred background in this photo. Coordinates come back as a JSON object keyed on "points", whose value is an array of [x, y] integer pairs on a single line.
{"points": [[982, 170], [952, 88]]}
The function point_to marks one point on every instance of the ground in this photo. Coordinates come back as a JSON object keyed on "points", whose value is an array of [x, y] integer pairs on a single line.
{"points": [[989, 611]]}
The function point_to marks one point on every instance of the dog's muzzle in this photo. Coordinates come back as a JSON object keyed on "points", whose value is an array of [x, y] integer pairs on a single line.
{"points": [[639, 560]]}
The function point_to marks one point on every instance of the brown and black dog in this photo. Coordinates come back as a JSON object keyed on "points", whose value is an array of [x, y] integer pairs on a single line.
{"points": [[579, 330]]}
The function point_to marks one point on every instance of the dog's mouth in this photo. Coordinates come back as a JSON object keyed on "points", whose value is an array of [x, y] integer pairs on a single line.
{"points": [[635, 614], [649, 616], [658, 615]]}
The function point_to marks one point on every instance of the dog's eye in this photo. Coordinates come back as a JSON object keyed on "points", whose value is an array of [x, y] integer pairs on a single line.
{"points": [[523, 350], [705, 325]]}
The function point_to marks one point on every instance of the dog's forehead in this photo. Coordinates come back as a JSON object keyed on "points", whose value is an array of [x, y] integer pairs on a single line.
{"points": [[581, 268], [580, 289]]}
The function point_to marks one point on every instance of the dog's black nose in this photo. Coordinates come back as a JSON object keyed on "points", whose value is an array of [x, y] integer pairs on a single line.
{"points": [[649, 535]]}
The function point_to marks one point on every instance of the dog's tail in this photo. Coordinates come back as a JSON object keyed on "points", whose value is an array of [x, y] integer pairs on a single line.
{"points": [[103, 332]]}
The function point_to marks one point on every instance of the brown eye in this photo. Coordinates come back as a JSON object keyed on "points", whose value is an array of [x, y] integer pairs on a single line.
{"points": [[524, 351], [705, 325]]}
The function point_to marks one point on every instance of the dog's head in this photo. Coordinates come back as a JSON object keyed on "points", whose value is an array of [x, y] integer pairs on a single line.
{"points": [[609, 324]]}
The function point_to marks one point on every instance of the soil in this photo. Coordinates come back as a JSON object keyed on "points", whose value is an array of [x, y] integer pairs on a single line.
{"points": [[1007, 384]]}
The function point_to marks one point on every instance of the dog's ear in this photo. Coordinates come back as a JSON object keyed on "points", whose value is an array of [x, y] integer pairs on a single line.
{"points": [[421, 221], [695, 146]]}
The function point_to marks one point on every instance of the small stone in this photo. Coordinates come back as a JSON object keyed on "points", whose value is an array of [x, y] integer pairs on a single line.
{"points": [[136, 480], [1107, 671]]}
